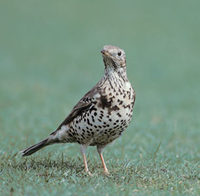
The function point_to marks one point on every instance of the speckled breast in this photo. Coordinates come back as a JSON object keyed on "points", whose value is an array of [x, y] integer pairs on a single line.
{"points": [[108, 118]]}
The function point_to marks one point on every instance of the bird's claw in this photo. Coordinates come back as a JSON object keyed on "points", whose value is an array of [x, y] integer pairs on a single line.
{"points": [[106, 172]]}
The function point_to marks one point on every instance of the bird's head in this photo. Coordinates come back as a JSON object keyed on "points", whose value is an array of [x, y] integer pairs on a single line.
{"points": [[114, 57]]}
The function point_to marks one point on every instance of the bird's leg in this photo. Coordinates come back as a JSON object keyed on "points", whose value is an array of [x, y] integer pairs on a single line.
{"points": [[99, 149], [83, 151]]}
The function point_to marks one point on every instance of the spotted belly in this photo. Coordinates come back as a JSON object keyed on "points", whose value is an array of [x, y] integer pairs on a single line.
{"points": [[99, 127]]}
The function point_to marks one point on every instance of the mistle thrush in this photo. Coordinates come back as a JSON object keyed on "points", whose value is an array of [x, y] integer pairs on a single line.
{"points": [[102, 114]]}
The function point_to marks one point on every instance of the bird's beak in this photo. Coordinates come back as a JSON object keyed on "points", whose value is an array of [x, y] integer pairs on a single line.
{"points": [[105, 53]]}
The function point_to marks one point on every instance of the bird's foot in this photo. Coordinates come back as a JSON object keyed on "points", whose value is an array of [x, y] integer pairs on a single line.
{"points": [[106, 172], [88, 173]]}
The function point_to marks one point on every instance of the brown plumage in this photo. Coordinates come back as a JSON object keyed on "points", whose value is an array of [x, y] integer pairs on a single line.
{"points": [[102, 114]]}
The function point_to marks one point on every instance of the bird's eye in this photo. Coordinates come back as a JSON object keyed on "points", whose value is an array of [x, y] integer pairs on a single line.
{"points": [[119, 53]]}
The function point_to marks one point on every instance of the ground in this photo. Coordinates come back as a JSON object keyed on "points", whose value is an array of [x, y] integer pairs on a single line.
{"points": [[50, 56]]}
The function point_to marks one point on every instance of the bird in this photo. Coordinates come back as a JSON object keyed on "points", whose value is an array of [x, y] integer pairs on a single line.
{"points": [[101, 115]]}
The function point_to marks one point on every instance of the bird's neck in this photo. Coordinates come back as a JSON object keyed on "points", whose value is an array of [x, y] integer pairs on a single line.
{"points": [[116, 74]]}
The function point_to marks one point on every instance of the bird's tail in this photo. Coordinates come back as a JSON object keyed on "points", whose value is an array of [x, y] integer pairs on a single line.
{"points": [[35, 148]]}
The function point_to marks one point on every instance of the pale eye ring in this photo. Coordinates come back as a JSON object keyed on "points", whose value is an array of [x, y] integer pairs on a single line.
{"points": [[119, 53]]}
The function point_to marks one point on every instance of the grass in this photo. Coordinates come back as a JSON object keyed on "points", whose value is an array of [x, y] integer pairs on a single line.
{"points": [[49, 57]]}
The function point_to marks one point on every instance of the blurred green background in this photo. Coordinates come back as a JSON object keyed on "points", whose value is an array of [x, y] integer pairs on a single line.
{"points": [[50, 56]]}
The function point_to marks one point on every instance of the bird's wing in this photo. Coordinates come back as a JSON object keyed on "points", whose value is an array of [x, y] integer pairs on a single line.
{"points": [[82, 106]]}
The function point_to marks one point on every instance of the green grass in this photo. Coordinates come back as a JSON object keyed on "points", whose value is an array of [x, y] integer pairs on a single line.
{"points": [[50, 56]]}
